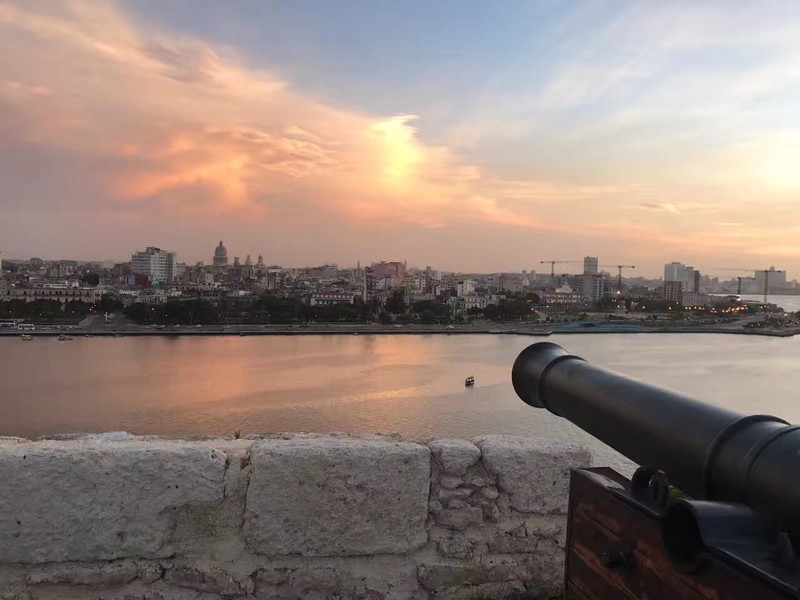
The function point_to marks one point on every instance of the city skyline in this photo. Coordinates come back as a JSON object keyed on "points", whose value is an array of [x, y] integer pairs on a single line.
{"points": [[473, 138], [588, 265]]}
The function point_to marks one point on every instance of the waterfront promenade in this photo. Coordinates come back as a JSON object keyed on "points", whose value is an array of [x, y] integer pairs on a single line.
{"points": [[122, 328]]}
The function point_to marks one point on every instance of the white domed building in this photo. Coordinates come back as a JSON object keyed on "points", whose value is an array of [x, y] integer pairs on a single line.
{"points": [[221, 256]]}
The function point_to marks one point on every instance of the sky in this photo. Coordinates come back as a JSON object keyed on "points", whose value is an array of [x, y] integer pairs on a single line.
{"points": [[469, 136]]}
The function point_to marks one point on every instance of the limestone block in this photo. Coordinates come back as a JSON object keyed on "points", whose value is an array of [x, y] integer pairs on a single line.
{"points": [[455, 456], [98, 500], [437, 575], [337, 497], [535, 473], [506, 589]]}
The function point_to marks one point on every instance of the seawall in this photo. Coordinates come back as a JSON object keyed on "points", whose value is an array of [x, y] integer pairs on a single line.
{"points": [[119, 517]]}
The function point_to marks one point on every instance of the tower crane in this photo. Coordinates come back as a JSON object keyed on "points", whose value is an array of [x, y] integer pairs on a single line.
{"points": [[766, 280], [619, 273], [553, 263], [766, 272], [739, 285]]}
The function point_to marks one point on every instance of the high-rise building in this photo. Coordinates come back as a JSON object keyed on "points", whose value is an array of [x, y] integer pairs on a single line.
{"points": [[156, 264], [674, 271], [673, 291], [688, 276], [591, 287], [220, 256], [776, 279], [590, 265]]}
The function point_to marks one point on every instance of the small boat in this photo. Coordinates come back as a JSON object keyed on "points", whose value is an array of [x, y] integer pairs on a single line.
{"points": [[469, 381], [26, 338], [64, 338]]}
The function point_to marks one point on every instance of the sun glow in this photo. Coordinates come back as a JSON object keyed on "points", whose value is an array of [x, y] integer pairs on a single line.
{"points": [[400, 154], [782, 170]]}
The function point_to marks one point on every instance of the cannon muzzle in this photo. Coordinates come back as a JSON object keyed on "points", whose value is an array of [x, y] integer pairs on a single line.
{"points": [[708, 452]]}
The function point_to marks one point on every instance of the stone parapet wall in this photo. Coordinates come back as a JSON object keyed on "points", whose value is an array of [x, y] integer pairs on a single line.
{"points": [[339, 517]]}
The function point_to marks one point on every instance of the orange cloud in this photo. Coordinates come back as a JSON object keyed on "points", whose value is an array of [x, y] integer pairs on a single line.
{"points": [[169, 115]]}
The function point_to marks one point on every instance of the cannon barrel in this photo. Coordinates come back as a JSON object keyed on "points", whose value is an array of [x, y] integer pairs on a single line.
{"points": [[708, 452]]}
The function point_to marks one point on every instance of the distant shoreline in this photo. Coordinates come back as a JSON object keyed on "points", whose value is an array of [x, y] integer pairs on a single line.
{"points": [[405, 329]]}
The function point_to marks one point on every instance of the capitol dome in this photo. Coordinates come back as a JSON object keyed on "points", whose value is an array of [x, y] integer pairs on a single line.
{"points": [[220, 255]]}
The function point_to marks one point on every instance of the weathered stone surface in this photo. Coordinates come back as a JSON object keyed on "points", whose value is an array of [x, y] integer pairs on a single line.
{"points": [[512, 542], [546, 565], [436, 576], [111, 573], [552, 527], [490, 493], [533, 472], [337, 497], [328, 504], [505, 589], [373, 578], [460, 518], [455, 456], [449, 482], [477, 478], [93, 499], [455, 545], [491, 513], [446, 495], [150, 571], [205, 579]]}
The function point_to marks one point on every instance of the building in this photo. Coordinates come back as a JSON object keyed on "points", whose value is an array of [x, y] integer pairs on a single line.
{"points": [[562, 296], [775, 279], [689, 276], [696, 299], [591, 286], [393, 269], [331, 298], [220, 256], [465, 303], [674, 271], [156, 264], [465, 287], [673, 291], [513, 285], [590, 265], [62, 294]]}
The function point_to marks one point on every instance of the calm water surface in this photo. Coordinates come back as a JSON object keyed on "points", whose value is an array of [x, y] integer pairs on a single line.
{"points": [[408, 384]]}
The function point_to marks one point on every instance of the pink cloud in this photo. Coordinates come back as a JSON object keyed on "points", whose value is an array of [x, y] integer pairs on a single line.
{"points": [[174, 115]]}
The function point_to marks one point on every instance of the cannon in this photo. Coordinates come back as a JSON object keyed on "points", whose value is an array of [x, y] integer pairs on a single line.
{"points": [[713, 511]]}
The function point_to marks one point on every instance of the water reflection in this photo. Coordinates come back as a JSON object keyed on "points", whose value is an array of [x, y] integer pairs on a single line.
{"points": [[411, 385]]}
